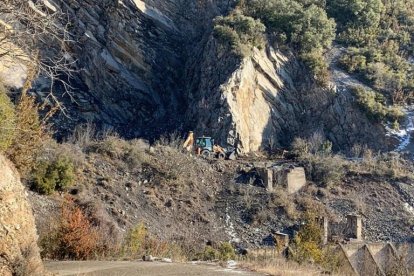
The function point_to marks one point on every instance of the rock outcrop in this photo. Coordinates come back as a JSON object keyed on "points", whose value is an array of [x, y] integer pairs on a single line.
{"points": [[19, 253], [267, 99], [147, 67]]}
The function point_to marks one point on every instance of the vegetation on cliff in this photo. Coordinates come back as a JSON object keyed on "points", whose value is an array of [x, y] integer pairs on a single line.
{"points": [[377, 35]]}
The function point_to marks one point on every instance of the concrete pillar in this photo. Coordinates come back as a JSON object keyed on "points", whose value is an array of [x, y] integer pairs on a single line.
{"points": [[324, 226], [269, 184], [282, 241], [267, 177], [354, 224]]}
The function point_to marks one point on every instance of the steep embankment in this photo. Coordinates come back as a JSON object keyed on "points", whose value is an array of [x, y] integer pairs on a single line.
{"points": [[19, 254]]}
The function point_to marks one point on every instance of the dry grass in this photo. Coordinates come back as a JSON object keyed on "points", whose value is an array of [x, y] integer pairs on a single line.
{"points": [[279, 267], [280, 198], [390, 165]]}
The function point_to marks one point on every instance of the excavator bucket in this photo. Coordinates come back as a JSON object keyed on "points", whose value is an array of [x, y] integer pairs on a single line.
{"points": [[232, 155]]}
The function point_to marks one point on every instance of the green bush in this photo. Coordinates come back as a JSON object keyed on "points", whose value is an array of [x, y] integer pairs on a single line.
{"points": [[373, 104], [30, 134], [134, 243], [240, 32], [208, 254], [51, 176], [7, 121], [379, 36], [317, 64], [303, 24], [224, 252], [307, 243]]}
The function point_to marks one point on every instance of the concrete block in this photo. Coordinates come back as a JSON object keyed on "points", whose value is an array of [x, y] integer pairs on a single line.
{"points": [[296, 179]]}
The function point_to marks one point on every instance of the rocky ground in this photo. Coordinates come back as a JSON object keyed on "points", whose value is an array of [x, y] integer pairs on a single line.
{"points": [[185, 198]]}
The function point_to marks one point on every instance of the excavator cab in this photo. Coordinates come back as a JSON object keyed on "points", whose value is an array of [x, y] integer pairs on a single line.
{"points": [[204, 146]]}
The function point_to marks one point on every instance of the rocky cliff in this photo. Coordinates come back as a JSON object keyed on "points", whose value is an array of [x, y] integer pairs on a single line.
{"points": [[19, 254], [268, 99], [149, 67]]}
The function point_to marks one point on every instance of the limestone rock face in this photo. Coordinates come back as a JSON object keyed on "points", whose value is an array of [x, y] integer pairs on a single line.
{"points": [[267, 99], [19, 253], [148, 67]]}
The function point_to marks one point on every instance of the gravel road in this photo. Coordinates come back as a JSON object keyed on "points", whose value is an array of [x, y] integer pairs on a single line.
{"points": [[97, 268]]}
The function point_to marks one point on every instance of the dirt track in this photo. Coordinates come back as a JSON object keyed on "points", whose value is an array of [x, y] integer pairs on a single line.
{"points": [[95, 268]]}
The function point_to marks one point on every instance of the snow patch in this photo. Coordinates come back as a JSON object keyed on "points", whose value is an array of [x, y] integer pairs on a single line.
{"points": [[409, 208], [230, 228], [405, 132]]}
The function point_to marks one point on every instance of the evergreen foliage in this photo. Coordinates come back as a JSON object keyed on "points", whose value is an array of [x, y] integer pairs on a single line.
{"points": [[7, 120], [54, 175], [378, 35], [240, 32]]}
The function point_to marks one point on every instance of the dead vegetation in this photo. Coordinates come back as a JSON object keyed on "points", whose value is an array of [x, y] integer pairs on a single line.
{"points": [[278, 266], [328, 169]]}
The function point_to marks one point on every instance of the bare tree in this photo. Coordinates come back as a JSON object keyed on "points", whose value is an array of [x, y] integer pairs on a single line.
{"points": [[35, 34]]}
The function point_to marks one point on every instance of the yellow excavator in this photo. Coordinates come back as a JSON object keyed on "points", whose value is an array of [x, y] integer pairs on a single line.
{"points": [[205, 146]]}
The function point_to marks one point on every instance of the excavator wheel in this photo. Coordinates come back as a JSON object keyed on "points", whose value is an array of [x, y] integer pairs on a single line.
{"points": [[221, 156], [205, 153]]}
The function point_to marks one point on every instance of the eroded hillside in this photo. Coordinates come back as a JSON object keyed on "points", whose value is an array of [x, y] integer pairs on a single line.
{"points": [[145, 68]]}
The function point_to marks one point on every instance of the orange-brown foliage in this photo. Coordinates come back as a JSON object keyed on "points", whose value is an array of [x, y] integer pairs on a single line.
{"points": [[78, 237]]}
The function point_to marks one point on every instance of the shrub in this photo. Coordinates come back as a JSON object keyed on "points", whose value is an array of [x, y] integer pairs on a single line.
{"points": [[135, 239], [7, 120], [74, 237], [374, 105], [318, 66], [353, 61], [304, 26], [378, 33], [237, 30], [316, 144], [316, 155], [280, 198], [30, 134], [111, 146], [138, 242], [45, 178], [55, 175], [130, 152], [307, 243], [326, 171], [78, 239], [224, 252], [208, 254]]}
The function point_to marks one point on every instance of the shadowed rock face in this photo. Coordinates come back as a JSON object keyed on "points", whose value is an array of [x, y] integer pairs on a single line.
{"points": [[19, 254], [131, 58], [147, 67]]}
